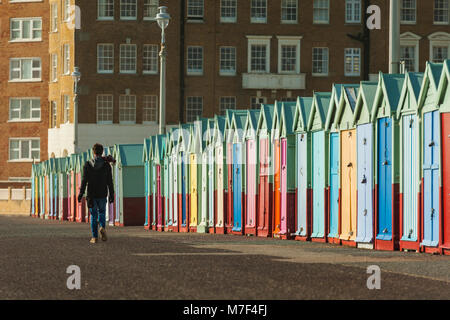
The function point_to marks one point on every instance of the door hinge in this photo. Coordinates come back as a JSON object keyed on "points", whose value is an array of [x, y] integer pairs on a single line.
{"points": [[411, 122]]}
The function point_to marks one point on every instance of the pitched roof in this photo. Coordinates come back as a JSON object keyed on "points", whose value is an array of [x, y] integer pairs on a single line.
{"points": [[129, 154], [302, 111], [366, 97], [321, 104], [389, 88]]}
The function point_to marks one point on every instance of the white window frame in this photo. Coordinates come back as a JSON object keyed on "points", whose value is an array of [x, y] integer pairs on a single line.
{"points": [[327, 21], [54, 114], [100, 58], [255, 19], [54, 67], [54, 17], [439, 39], [20, 119], [31, 149], [194, 72], [150, 4], [231, 19], [258, 40], [195, 17], [66, 10], [224, 72], [289, 41], [104, 108], [227, 102], [66, 59], [448, 13], [284, 7], [151, 109], [31, 31], [131, 110], [128, 17], [258, 100], [409, 39], [153, 60], [328, 63], [200, 99], [415, 12], [66, 108], [105, 18], [126, 71], [353, 4], [352, 55], [11, 60]]}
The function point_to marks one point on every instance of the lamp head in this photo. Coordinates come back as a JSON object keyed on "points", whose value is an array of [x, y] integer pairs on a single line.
{"points": [[163, 17], [76, 74]]}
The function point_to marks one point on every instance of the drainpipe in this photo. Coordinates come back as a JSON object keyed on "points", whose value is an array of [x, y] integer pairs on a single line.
{"points": [[181, 72], [394, 36]]}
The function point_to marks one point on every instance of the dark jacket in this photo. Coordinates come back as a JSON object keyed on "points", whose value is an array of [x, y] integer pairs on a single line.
{"points": [[98, 178]]}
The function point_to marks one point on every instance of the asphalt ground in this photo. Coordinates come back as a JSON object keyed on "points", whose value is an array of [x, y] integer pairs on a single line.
{"points": [[138, 264]]}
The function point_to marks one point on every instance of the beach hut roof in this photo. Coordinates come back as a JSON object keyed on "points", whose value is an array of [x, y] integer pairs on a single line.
{"points": [[302, 112], [219, 128], [184, 136], [146, 150], [238, 125], [197, 133], [411, 88], [320, 108], [364, 102], [389, 89], [444, 81], [128, 155], [431, 79], [287, 118], [335, 100], [265, 117], [349, 96], [251, 123]]}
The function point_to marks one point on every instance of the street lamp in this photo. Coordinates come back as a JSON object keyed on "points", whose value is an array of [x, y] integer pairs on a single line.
{"points": [[76, 75], [163, 21]]}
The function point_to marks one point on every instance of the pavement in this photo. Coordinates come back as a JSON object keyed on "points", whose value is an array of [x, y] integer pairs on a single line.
{"points": [[138, 264]]}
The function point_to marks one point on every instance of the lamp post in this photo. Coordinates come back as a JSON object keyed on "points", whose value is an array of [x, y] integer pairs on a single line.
{"points": [[76, 75], [163, 21]]}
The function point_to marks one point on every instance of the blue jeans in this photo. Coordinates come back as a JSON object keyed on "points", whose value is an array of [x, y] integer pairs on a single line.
{"points": [[98, 215]]}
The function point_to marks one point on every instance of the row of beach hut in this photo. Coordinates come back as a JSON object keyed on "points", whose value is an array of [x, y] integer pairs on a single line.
{"points": [[365, 165]]}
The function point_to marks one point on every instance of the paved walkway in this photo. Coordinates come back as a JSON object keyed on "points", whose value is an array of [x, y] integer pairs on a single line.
{"points": [[138, 264]]}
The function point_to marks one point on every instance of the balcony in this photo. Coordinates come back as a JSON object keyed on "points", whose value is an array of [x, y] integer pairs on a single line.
{"points": [[273, 81]]}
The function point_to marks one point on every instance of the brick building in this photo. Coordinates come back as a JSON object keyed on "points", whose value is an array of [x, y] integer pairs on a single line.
{"points": [[23, 88], [221, 54]]}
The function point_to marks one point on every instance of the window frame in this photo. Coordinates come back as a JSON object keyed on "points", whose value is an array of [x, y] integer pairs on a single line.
{"points": [[31, 30], [328, 13], [406, 22], [254, 19], [20, 119], [156, 70], [352, 55], [439, 39], [448, 13], [289, 41], [188, 118], [283, 21], [19, 149], [122, 109], [194, 72], [258, 40], [102, 71], [54, 67], [128, 18], [222, 108], [106, 18], [111, 108], [315, 74], [122, 71], [353, 4], [264, 101], [11, 60], [146, 109], [195, 17], [228, 19], [223, 72], [147, 18], [409, 39], [66, 108]]}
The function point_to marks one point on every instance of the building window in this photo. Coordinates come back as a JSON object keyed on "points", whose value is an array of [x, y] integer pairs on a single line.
{"points": [[441, 11], [352, 62], [105, 58], [26, 29], [228, 10], [21, 149], [128, 9], [258, 11], [54, 70], [195, 9], [105, 108], [24, 109], [150, 9], [439, 54], [127, 58], [25, 69], [54, 14], [408, 11], [352, 11], [194, 108], [66, 10], [127, 109], [150, 59], [105, 9], [258, 54], [321, 11], [54, 114], [66, 108], [150, 109], [227, 103], [194, 60], [289, 11], [289, 54], [227, 60], [255, 102], [320, 61], [66, 57], [408, 56]]}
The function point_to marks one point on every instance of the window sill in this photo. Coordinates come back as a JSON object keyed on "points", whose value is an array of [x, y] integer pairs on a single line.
{"points": [[194, 73], [149, 19], [23, 161], [407, 22], [25, 40], [227, 74], [349, 23], [24, 121], [326, 23], [25, 81], [225, 20], [352, 75], [150, 73], [105, 19], [440, 23], [195, 20], [128, 72], [320, 74], [128, 19], [258, 21], [105, 72], [289, 22], [127, 123]]}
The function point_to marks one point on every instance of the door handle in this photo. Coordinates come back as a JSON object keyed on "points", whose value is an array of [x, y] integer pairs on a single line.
{"points": [[411, 123], [385, 163], [385, 230], [431, 144], [349, 165], [364, 180]]}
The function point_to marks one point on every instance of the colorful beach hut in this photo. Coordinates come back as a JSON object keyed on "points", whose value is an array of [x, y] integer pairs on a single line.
{"points": [[173, 181], [183, 177], [409, 121], [158, 158], [220, 195], [387, 169], [365, 156], [146, 155]]}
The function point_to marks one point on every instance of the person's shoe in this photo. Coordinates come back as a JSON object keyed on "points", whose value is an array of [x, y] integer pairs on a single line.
{"points": [[103, 233], [94, 240]]}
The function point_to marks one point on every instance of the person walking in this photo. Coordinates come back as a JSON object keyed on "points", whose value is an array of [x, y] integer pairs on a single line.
{"points": [[98, 178]]}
